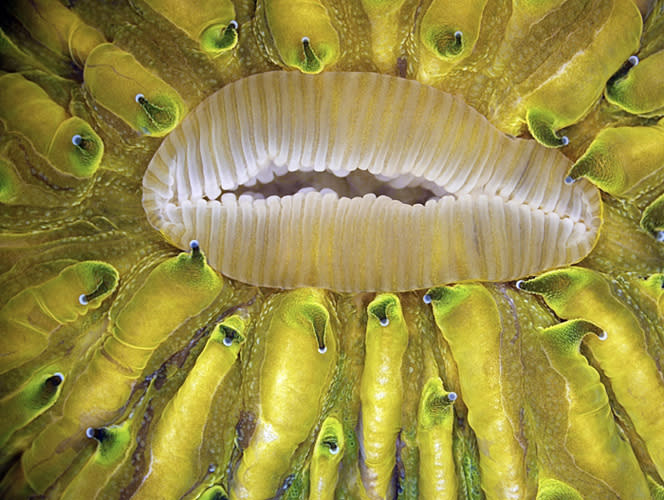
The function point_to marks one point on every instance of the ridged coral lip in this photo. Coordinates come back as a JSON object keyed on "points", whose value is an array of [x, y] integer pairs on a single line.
{"points": [[491, 207]]}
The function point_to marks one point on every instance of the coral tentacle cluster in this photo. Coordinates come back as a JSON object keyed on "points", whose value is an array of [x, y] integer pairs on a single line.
{"points": [[355, 249]]}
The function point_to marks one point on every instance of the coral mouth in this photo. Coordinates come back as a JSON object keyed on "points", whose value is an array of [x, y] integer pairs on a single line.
{"points": [[280, 181], [265, 174]]}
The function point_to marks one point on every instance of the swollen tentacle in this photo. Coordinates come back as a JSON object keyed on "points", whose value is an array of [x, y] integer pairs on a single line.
{"points": [[113, 446], [11, 187], [624, 161], [68, 142], [634, 376], [387, 31], [28, 319], [591, 431], [291, 394], [448, 32], [174, 464], [652, 219], [381, 393], [176, 290], [545, 105], [215, 492], [117, 81], [641, 89], [303, 34], [553, 489], [457, 311], [656, 489], [327, 455], [58, 28], [211, 22], [31, 400], [435, 421]]}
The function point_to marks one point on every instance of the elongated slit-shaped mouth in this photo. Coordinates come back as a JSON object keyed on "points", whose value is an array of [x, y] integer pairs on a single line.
{"points": [[363, 182]]}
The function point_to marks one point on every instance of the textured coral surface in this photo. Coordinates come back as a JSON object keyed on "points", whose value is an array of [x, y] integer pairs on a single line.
{"points": [[132, 370]]}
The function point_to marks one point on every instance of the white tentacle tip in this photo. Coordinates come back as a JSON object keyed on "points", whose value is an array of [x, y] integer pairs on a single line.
{"points": [[660, 236], [323, 349], [139, 97], [193, 244], [633, 60], [384, 321], [234, 24], [83, 300], [452, 396], [90, 432], [564, 140], [305, 39], [76, 140], [519, 284], [603, 335], [228, 341], [569, 180], [426, 299]]}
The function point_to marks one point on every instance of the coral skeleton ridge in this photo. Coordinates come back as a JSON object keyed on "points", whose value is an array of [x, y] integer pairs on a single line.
{"points": [[332, 249]]}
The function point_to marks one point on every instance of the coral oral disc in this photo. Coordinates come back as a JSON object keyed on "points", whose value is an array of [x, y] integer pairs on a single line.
{"points": [[266, 172]]}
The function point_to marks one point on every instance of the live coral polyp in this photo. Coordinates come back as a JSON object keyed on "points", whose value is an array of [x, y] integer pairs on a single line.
{"points": [[421, 246]]}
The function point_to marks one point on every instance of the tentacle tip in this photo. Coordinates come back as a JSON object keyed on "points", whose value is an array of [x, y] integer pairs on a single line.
{"points": [[633, 60], [77, 140], [83, 299], [305, 40], [90, 432], [602, 335], [233, 24], [452, 396], [193, 244], [323, 349], [334, 449], [519, 284], [212, 468], [384, 321], [564, 140], [227, 341], [427, 298], [659, 236], [569, 180], [139, 98]]}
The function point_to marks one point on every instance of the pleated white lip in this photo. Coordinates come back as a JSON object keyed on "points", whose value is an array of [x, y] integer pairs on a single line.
{"points": [[503, 213]]}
